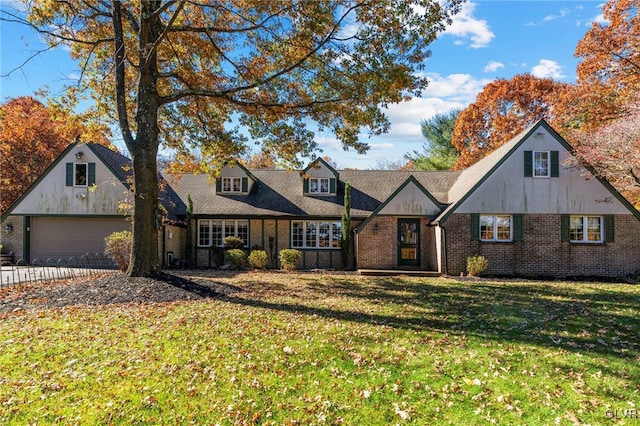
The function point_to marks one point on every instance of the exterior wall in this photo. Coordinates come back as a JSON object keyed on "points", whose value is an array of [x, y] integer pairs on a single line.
{"points": [[14, 240], [378, 249], [410, 201], [175, 240], [574, 191], [52, 197], [542, 253]]}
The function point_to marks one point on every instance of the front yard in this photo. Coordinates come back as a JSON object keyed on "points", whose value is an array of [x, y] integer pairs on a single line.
{"points": [[277, 348]]}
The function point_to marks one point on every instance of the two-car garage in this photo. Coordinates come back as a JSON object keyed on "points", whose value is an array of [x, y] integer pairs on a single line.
{"points": [[52, 237]]}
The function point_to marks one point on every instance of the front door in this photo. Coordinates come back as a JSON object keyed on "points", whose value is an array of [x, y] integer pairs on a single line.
{"points": [[408, 242]]}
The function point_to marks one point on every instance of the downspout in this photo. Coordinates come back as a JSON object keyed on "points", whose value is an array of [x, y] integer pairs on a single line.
{"points": [[446, 252], [355, 246]]}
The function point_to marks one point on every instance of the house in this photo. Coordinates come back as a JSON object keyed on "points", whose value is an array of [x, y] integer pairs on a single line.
{"points": [[78, 201], [521, 207]]}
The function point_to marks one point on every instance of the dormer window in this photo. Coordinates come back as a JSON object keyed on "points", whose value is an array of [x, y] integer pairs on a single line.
{"points": [[231, 184], [318, 185]]}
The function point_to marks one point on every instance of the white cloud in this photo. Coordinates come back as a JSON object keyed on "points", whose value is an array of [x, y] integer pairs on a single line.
{"points": [[561, 14], [547, 68], [493, 66], [465, 25]]}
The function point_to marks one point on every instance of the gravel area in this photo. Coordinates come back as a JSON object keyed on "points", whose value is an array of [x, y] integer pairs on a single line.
{"points": [[110, 289]]}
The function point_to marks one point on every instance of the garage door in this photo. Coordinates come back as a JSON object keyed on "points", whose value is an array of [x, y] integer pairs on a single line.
{"points": [[63, 237]]}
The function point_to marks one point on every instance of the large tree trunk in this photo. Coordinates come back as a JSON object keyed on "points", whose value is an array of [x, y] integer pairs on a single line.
{"points": [[144, 150]]}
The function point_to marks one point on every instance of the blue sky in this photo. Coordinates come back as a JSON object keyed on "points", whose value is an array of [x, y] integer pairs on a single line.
{"points": [[489, 39]]}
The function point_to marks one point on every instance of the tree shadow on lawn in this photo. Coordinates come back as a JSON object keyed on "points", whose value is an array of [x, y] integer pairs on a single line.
{"points": [[573, 316]]}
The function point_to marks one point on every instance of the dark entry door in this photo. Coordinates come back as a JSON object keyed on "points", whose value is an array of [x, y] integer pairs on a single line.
{"points": [[408, 242]]}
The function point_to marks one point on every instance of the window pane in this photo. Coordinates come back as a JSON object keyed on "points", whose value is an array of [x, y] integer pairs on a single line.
{"points": [[337, 234], [324, 185], [297, 234], [486, 227], [229, 228], [576, 230], [81, 175], [203, 233], [216, 229], [311, 234], [323, 231], [237, 184], [226, 184], [503, 224], [313, 185], [243, 231], [541, 164], [594, 228]]}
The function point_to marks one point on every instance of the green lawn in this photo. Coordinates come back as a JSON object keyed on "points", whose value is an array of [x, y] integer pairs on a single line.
{"points": [[309, 349]]}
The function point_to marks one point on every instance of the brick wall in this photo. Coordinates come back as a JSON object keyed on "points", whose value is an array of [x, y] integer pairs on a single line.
{"points": [[377, 246], [13, 240], [542, 253]]}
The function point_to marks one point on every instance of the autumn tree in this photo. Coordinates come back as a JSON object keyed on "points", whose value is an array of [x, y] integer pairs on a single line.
{"points": [[438, 153], [502, 110], [188, 74], [32, 135], [609, 68]]}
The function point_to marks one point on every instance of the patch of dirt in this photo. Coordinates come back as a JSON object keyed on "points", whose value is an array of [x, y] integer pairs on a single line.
{"points": [[111, 289]]}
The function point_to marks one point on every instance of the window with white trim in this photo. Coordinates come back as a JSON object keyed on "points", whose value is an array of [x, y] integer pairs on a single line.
{"points": [[318, 185], [231, 184], [315, 234], [496, 228], [586, 229], [212, 232], [541, 164]]}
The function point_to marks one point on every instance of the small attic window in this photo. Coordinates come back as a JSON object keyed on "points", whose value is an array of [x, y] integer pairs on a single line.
{"points": [[318, 185], [233, 185]]}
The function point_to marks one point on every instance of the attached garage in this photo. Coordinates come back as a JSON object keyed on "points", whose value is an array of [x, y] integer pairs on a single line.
{"points": [[63, 237]]}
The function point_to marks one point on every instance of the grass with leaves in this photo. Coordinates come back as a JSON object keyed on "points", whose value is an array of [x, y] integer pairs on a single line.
{"points": [[333, 349]]}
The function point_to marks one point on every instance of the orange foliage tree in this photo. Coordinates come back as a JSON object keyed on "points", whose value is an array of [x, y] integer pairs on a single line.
{"points": [[32, 135], [502, 110], [609, 70]]}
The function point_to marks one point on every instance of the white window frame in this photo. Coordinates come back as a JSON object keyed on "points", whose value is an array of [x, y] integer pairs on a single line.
{"points": [[495, 231], [231, 184], [319, 185], [536, 160], [227, 228], [86, 174], [311, 229], [586, 225]]}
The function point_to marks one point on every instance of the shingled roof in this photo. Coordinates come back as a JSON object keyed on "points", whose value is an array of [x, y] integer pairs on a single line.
{"points": [[279, 193]]}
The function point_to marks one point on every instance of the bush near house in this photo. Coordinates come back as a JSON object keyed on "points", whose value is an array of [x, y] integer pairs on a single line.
{"points": [[233, 242], [289, 259], [118, 247], [258, 259], [477, 265], [235, 258]]}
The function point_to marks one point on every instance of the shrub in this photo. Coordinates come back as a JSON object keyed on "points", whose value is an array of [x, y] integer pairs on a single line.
{"points": [[476, 265], [233, 242], [289, 259], [235, 258], [258, 259], [118, 247]]}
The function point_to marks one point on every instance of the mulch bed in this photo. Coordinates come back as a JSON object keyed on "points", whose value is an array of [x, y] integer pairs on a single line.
{"points": [[111, 289]]}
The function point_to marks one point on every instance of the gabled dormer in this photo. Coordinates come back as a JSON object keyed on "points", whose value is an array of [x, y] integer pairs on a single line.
{"points": [[320, 179], [234, 179]]}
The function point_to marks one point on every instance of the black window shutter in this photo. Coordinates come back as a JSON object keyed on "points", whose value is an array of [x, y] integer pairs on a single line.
{"points": [[555, 164], [219, 185], [245, 184], [332, 186], [69, 174], [564, 227], [528, 163], [91, 174], [609, 229], [475, 227], [517, 227], [305, 186]]}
